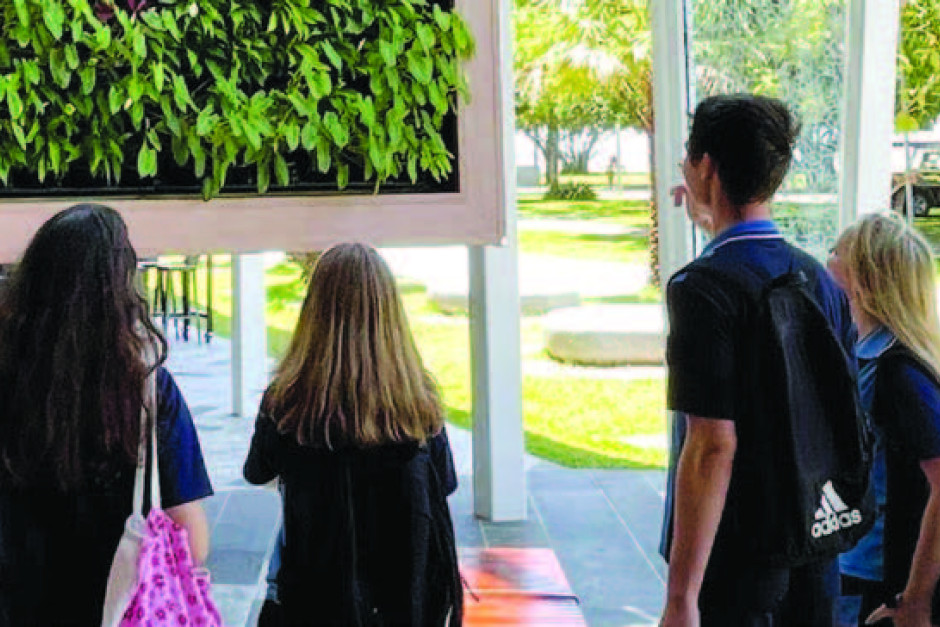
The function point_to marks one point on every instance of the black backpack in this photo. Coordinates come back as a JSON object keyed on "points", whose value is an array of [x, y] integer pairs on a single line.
{"points": [[802, 467]]}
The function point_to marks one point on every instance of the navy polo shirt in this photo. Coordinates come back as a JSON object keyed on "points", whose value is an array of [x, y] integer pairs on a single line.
{"points": [[906, 407], [183, 476], [705, 318]]}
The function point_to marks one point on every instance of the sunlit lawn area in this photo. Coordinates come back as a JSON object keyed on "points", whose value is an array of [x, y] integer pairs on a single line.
{"points": [[571, 420], [622, 247], [600, 179], [633, 213]]}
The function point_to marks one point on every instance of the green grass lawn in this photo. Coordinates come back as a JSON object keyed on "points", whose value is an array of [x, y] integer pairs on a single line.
{"points": [[631, 180], [574, 421], [622, 247], [626, 212]]}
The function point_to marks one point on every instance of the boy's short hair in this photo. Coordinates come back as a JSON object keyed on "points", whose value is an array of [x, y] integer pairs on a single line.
{"points": [[750, 139]]}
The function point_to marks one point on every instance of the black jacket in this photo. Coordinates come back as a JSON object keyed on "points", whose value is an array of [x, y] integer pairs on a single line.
{"points": [[368, 535]]}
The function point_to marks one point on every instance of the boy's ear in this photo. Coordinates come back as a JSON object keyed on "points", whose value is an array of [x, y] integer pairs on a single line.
{"points": [[708, 168]]}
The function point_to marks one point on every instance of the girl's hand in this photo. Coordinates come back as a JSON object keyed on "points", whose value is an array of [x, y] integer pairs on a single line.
{"points": [[903, 614]]}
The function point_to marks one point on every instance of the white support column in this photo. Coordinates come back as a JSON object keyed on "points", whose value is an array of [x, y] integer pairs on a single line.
{"points": [[670, 103], [871, 74], [499, 491], [249, 333]]}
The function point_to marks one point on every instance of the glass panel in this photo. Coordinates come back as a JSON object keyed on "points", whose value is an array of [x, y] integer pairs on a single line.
{"points": [[793, 50]]}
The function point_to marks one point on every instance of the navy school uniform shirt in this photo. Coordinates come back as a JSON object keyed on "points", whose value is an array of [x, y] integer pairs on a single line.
{"points": [[705, 318], [56, 549], [906, 408], [866, 559]]}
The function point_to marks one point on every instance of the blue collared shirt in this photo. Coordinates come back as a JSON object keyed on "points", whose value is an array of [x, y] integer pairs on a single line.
{"points": [[700, 358], [750, 229], [866, 560]]}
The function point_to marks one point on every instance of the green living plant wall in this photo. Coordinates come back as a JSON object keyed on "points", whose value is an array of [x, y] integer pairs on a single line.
{"points": [[138, 86]]}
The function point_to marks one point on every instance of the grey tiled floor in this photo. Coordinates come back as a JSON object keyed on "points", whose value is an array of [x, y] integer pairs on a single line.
{"points": [[602, 525]]}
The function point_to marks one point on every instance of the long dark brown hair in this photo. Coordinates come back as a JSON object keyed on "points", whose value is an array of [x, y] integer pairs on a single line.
{"points": [[75, 336], [352, 375]]}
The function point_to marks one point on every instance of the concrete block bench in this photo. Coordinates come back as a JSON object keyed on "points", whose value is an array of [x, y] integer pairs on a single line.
{"points": [[606, 335]]}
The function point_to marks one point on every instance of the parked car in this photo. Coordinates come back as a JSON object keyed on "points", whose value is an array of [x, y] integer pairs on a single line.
{"points": [[925, 181]]}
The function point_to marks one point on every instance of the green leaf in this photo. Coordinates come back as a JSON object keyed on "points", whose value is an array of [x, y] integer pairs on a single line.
{"points": [[115, 100], [421, 66], [58, 69], [180, 151], [442, 19], [19, 135], [181, 92], [320, 84], [22, 12], [426, 36], [140, 45], [342, 175], [336, 129], [323, 156], [55, 154], [206, 122], [88, 75], [292, 136], [169, 22], [135, 88], [102, 38], [15, 104], [462, 37], [281, 170], [331, 54], [137, 114], [158, 75], [264, 176], [54, 16], [388, 52], [367, 112], [308, 136], [71, 57], [413, 167], [146, 161]]}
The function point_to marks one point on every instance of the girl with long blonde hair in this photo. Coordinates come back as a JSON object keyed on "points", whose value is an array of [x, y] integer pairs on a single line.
{"points": [[352, 426], [887, 271]]}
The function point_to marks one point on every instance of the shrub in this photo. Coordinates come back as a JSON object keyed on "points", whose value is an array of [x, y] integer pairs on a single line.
{"points": [[571, 191], [221, 83]]}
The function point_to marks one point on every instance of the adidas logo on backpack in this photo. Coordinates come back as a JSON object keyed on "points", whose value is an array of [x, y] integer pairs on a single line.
{"points": [[834, 514]]}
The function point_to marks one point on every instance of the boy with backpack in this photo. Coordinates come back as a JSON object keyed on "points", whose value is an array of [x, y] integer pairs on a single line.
{"points": [[770, 457]]}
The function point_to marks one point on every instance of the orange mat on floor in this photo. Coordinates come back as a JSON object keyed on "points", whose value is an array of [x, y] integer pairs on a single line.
{"points": [[517, 587]]}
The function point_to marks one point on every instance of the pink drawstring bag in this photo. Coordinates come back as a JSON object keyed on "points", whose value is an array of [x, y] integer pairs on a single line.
{"points": [[153, 580]]}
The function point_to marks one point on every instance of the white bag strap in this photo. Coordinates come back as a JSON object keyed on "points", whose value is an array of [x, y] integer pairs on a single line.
{"points": [[148, 409]]}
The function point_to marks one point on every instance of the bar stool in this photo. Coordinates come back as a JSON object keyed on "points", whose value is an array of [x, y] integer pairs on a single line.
{"points": [[180, 306]]}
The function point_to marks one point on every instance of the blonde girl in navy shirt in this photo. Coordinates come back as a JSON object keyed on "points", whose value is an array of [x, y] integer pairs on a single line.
{"points": [[887, 271], [352, 426]]}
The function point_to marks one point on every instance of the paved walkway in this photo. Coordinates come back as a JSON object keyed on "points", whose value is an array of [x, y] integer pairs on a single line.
{"points": [[602, 525]]}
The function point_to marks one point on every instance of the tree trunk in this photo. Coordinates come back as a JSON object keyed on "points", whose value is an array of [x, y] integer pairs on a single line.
{"points": [[306, 260], [552, 157], [655, 278]]}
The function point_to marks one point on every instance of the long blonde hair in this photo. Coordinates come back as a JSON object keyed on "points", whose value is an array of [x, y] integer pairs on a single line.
{"points": [[891, 272], [352, 375]]}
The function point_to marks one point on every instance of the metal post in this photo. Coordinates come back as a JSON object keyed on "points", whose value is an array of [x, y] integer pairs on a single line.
{"points": [[671, 104], [869, 107], [249, 333], [499, 492]]}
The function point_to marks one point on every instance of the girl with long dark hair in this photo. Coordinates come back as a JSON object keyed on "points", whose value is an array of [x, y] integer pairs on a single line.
{"points": [[76, 346]]}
